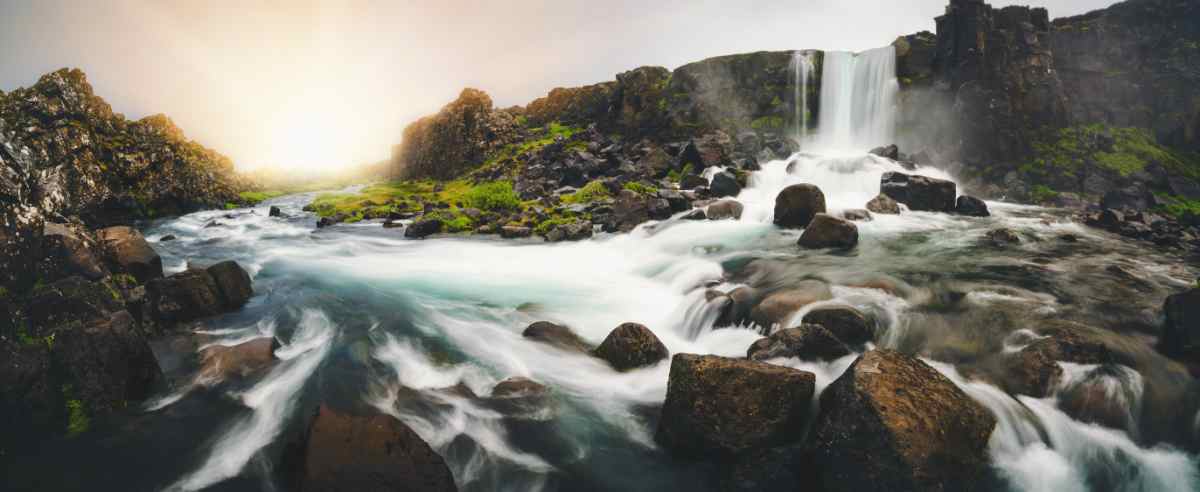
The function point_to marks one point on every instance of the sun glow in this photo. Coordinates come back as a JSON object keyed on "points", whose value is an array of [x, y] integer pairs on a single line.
{"points": [[314, 133]]}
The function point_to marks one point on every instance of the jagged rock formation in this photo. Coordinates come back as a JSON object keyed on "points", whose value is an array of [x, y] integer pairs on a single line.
{"points": [[457, 137]]}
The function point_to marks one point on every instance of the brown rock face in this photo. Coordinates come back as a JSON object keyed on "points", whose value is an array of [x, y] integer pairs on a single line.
{"points": [[827, 231], [778, 306], [233, 283], [368, 452], [198, 293], [717, 407], [131, 253], [806, 342], [631, 346], [846, 323], [239, 360], [891, 422], [796, 205]]}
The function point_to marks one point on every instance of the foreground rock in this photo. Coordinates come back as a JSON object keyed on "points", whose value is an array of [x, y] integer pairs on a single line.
{"points": [[557, 335], [806, 342], [891, 422], [827, 231], [631, 346], [919, 192], [883, 204], [198, 293], [238, 361], [1181, 325], [131, 253], [797, 204], [971, 206], [369, 451], [718, 407]]}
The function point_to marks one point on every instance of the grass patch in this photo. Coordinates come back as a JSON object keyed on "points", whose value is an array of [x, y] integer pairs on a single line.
{"points": [[677, 175], [256, 197], [493, 196], [77, 416], [539, 138], [1042, 194], [640, 188], [1122, 150], [1180, 208], [549, 224], [378, 200], [591, 192]]}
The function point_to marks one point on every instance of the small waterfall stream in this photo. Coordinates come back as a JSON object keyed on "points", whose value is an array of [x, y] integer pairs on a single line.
{"points": [[803, 69]]}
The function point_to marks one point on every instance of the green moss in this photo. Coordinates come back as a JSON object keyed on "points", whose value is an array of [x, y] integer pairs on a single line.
{"points": [[255, 197], [677, 175], [1121, 150], [24, 337], [452, 220], [591, 192], [1042, 194], [228, 206], [77, 415], [640, 188], [493, 196], [1179, 207], [549, 224], [767, 123]]}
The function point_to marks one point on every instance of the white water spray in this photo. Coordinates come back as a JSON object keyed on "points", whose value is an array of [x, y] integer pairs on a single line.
{"points": [[803, 69], [858, 99]]}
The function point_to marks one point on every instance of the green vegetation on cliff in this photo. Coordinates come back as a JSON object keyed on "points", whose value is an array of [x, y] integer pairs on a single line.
{"points": [[380, 200], [509, 159], [590, 192], [1123, 151]]}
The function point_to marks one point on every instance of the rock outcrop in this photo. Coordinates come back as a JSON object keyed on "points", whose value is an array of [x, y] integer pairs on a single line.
{"points": [[455, 139], [891, 422], [919, 192], [1181, 325]]}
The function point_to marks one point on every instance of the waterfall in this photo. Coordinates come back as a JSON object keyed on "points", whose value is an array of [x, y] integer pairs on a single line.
{"points": [[802, 71], [858, 95]]}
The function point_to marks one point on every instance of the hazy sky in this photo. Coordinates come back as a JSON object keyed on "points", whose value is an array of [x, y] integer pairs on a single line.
{"points": [[330, 83]]}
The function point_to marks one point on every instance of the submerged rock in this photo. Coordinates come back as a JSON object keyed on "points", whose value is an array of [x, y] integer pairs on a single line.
{"points": [[1108, 395], [1035, 369], [718, 407], [697, 214], [891, 422], [631, 346], [888, 151], [827, 231], [919, 192], [797, 204], [845, 322], [780, 305], [1002, 236], [364, 451], [883, 204], [1181, 325], [239, 360], [971, 206], [806, 342], [725, 209], [557, 335]]}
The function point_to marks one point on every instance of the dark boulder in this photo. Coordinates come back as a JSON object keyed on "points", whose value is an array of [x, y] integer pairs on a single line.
{"points": [[233, 283], [1034, 370], [691, 182], [656, 162], [919, 192], [724, 184], [70, 301], [675, 200], [697, 214], [274, 212], [725, 209], [797, 204], [807, 342], [515, 232], [717, 407], [888, 151], [780, 305], [519, 397], [891, 422], [845, 322], [827, 231], [69, 251], [883, 204], [366, 450], [423, 227], [632, 208], [1181, 325], [557, 335], [185, 296], [168, 237], [971, 206], [631, 346], [573, 231], [130, 253]]}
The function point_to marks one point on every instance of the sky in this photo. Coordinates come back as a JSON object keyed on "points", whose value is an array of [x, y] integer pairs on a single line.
{"points": [[320, 84]]}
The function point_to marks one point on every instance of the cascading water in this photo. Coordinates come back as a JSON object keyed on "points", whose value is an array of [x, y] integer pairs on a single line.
{"points": [[858, 98], [803, 69]]}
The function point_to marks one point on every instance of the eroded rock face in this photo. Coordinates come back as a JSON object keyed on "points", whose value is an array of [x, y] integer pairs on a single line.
{"points": [[827, 231], [919, 192], [631, 346], [891, 422], [796, 205], [806, 342], [364, 451], [718, 407], [457, 137], [131, 253], [1181, 325]]}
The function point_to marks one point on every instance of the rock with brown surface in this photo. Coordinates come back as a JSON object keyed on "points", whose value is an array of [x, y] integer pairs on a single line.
{"points": [[806, 342], [1034, 370], [846, 323], [717, 407], [883, 204], [557, 335], [725, 209], [827, 231], [233, 283], [130, 253], [891, 422], [368, 451], [780, 305], [239, 360], [796, 205], [631, 346]]}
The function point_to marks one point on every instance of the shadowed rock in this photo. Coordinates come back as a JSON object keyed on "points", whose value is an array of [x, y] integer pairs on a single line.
{"points": [[1181, 325], [971, 206], [846, 323], [557, 335], [631, 346], [827, 231], [797, 204], [919, 192], [131, 253], [780, 305], [806, 342]]}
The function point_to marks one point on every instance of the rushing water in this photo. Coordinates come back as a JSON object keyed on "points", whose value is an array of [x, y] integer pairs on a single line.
{"points": [[858, 97], [803, 69]]}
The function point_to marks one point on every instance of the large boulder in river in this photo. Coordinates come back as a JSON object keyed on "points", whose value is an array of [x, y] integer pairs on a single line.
{"points": [[717, 407], [1181, 325], [883, 204], [196, 293], [233, 283], [423, 227], [131, 253], [631, 346], [827, 231], [780, 305], [846, 323], [557, 335], [807, 342], [725, 209], [368, 451], [797, 204], [724, 184], [891, 422], [971, 206], [919, 192]]}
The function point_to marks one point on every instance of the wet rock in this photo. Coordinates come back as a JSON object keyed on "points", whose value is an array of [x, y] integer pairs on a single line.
{"points": [[1181, 325], [807, 342], [168, 237], [515, 232], [574, 231], [797, 204], [919, 192], [718, 407], [423, 227], [883, 204], [363, 451], [632, 208], [335, 219], [725, 209], [724, 184], [238, 361], [517, 387], [697, 214], [130, 253], [557, 335], [736, 307], [1108, 395], [70, 301], [692, 181], [1002, 237], [518, 397], [69, 251], [845, 322], [827, 231], [888, 151], [891, 422], [1034, 370], [675, 200], [780, 305], [233, 283], [971, 206], [392, 224], [631, 346], [185, 296], [857, 215], [274, 212]]}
